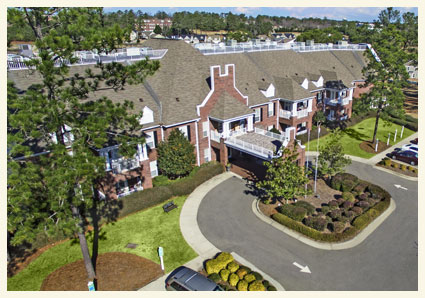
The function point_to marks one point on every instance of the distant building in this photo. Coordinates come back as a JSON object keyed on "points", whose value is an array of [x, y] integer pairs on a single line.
{"points": [[150, 24], [412, 70]]}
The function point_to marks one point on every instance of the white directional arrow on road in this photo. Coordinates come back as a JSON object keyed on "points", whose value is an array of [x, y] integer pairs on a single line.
{"points": [[303, 268], [399, 186]]}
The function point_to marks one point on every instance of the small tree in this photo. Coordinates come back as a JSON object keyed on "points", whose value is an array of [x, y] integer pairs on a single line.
{"points": [[176, 156], [284, 178], [157, 30], [319, 117], [331, 155]]}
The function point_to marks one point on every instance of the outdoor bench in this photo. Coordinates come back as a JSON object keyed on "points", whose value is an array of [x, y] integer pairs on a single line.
{"points": [[169, 206]]}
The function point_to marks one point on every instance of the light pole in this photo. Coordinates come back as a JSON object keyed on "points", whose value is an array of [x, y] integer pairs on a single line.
{"points": [[308, 148], [317, 158]]}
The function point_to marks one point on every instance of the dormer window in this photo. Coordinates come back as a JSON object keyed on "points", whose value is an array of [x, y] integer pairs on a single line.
{"points": [[147, 116]]}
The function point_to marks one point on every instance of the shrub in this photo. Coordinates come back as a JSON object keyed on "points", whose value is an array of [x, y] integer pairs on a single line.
{"points": [[307, 206], [395, 165], [241, 273], [213, 266], [387, 162], [233, 279], [271, 288], [377, 192], [348, 185], [256, 286], [363, 204], [266, 283], [249, 277], [257, 275], [361, 187], [316, 223], [371, 202], [410, 168], [349, 215], [336, 182], [242, 285], [403, 167], [415, 171], [294, 212], [224, 274], [348, 196], [357, 210], [337, 226], [232, 267], [340, 201], [347, 205], [214, 277], [333, 205], [324, 209], [248, 270], [225, 258], [344, 181], [336, 214], [363, 197], [366, 218]]}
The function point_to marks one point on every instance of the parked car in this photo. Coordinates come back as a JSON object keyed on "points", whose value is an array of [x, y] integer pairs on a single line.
{"points": [[408, 156], [411, 147], [186, 279]]}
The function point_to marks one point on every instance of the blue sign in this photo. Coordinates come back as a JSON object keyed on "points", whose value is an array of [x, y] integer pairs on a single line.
{"points": [[91, 286], [160, 251]]}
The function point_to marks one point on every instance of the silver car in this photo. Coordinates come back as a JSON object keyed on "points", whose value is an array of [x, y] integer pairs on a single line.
{"points": [[186, 279]]}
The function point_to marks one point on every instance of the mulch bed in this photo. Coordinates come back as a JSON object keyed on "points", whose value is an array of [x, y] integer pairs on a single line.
{"points": [[324, 192], [369, 147], [115, 271]]}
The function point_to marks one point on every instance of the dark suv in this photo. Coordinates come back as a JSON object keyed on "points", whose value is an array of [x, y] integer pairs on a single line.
{"points": [[186, 279], [408, 156]]}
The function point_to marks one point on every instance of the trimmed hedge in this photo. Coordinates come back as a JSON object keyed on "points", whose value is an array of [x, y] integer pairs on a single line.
{"points": [[256, 286], [344, 182], [153, 196], [292, 211], [306, 205], [233, 279], [242, 285], [224, 274]]}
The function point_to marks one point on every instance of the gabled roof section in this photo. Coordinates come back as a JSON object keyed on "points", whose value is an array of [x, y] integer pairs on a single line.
{"points": [[228, 107], [289, 89]]}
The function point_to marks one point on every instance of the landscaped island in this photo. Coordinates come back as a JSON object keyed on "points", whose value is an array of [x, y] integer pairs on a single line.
{"points": [[344, 208]]}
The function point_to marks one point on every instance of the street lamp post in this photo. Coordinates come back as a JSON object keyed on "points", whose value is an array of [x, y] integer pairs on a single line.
{"points": [[317, 158]]}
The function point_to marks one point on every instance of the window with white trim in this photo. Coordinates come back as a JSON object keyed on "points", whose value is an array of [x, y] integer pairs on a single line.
{"points": [[186, 131], [150, 139], [154, 168], [205, 128], [257, 115], [271, 109]]}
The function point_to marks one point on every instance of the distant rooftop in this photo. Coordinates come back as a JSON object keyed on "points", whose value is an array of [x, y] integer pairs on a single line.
{"points": [[90, 57], [256, 46]]}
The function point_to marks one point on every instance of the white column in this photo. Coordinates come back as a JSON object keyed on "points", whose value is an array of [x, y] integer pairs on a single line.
{"points": [[226, 129], [310, 105], [250, 123], [294, 109]]}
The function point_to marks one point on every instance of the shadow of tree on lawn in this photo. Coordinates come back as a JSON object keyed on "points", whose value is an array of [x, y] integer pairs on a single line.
{"points": [[352, 133]]}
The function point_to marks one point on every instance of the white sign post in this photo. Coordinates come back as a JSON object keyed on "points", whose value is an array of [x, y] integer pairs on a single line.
{"points": [[388, 141], [161, 254], [402, 129], [376, 145], [395, 135]]}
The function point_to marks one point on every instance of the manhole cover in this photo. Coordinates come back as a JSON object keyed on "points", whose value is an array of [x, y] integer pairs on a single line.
{"points": [[132, 245]]}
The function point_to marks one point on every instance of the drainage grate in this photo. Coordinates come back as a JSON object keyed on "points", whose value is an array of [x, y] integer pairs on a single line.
{"points": [[132, 245]]}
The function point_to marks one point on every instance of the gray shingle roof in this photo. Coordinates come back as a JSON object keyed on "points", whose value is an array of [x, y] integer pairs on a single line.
{"points": [[287, 88], [228, 107]]}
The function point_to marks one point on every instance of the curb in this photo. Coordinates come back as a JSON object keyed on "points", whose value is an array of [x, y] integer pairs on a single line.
{"points": [[327, 246]]}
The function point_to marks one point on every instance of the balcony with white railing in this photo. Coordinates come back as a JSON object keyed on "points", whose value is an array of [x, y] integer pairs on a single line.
{"points": [[251, 148], [87, 58], [302, 113], [216, 136], [345, 101], [285, 114], [121, 165], [337, 101]]}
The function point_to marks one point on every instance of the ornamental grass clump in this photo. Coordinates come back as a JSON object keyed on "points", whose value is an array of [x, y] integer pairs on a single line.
{"points": [[233, 279], [241, 272], [256, 286], [249, 277], [242, 285], [232, 267], [224, 274]]}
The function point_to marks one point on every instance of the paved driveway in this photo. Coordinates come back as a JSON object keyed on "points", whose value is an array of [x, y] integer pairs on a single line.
{"points": [[386, 260]]}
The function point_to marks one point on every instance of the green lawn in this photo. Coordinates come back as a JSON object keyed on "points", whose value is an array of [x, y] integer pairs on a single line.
{"points": [[149, 228], [353, 136]]}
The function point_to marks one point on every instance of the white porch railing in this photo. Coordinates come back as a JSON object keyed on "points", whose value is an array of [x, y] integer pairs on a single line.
{"points": [[285, 114], [215, 136], [281, 137], [345, 101], [266, 153], [124, 164], [302, 113]]}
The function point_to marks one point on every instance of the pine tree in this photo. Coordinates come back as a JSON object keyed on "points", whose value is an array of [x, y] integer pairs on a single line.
{"points": [[176, 157], [56, 192], [284, 178]]}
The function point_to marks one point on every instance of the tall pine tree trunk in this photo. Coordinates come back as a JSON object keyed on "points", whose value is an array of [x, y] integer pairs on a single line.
{"points": [[376, 126], [84, 247]]}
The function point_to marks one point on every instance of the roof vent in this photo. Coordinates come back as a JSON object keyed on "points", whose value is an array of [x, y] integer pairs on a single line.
{"points": [[296, 74], [263, 79], [177, 99], [141, 99]]}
